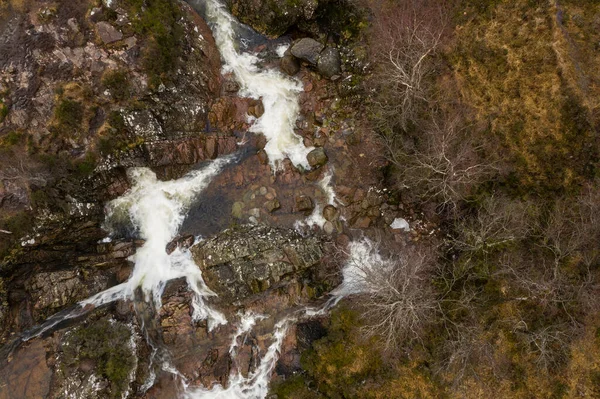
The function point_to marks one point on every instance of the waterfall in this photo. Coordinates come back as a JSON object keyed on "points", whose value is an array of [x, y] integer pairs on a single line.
{"points": [[156, 210], [279, 93]]}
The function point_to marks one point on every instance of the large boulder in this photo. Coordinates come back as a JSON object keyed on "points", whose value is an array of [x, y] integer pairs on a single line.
{"points": [[308, 50], [249, 259], [329, 63], [289, 64], [317, 157], [108, 33]]}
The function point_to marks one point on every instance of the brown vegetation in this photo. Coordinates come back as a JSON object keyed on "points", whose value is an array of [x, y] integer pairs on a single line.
{"points": [[489, 109]]}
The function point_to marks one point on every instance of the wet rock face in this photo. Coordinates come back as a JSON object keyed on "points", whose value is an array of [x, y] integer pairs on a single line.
{"points": [[51, 291], [273, 17], [27, 375], [246, 260]]}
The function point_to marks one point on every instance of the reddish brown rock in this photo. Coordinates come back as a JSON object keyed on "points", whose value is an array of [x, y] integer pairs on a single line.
{"points": [[27, 375]]}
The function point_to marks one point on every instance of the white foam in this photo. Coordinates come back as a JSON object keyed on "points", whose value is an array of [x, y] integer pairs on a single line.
{"points": [[157, 209], [278, 93], [247, 322], [363, 256], [316, 217], [281, 49], [256, 384]]}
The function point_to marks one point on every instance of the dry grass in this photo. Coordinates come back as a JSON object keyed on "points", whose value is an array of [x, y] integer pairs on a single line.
{"points": [[511, 69], [16, 5]]}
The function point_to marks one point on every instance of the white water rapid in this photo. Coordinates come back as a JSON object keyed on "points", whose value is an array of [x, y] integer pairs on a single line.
{"points": [[279, 93], [316, 217], [156, 210]]}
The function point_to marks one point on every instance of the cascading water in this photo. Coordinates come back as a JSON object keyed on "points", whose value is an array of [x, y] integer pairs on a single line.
{"points": [[157, 209], [279, 94]]}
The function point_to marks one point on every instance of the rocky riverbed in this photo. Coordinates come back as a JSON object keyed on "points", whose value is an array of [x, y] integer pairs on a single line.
{"points": [[269, 240]]}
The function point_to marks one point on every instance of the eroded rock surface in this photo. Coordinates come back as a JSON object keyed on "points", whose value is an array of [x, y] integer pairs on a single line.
{"points": [[249, 259]]}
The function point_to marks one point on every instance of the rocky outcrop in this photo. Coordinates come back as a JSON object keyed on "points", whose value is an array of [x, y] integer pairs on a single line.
{"points": [[75, 82], [51, 291], [249, 259], [98, 359], [101, 358], [327, 60], [274, 17]]}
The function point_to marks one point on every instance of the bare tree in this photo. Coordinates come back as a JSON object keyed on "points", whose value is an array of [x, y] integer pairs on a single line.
{"points": [[444, 166], [572, 229], [499, 222], [408, 36], [396, 298], [464, 351]]}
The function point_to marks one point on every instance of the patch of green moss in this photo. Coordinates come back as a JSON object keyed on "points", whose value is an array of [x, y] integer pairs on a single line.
{"points": [[339, 359], [19, 224], [117, 82], [11, 139], [69, 114], [295, 387], [343, 19], [158, 21], [3, 111], [117, 137], [105, 342]]}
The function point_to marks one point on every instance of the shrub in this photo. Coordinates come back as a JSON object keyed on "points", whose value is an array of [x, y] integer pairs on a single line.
{"points": [[11, 139], [158, 20], [117, 82], [3, 111], [69, 114]]}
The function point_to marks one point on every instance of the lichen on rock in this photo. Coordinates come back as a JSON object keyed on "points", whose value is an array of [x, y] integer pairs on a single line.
{"points": [[249, 259]]}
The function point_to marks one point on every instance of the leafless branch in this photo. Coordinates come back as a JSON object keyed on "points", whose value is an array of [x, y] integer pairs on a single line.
{"points": [[396, 300]]}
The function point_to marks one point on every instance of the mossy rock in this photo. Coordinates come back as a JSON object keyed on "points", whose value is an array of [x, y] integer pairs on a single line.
{"points": [[104, 349], [273, 17]]}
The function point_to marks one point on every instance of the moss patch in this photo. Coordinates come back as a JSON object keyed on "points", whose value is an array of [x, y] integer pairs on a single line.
{"points": [[117, 83], [105, 343], [3, 112], [69, 114], [341, 365], [158, 21]]}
